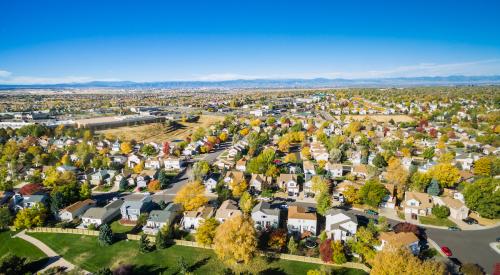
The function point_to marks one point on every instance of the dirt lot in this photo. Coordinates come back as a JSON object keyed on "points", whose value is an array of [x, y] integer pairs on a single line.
{"points": [[159, 132], [382, 118]]}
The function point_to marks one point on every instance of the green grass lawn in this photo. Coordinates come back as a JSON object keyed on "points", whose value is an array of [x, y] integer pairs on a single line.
{"points": [[21, 248], [436, 221], [86, 253], [116, 227]]}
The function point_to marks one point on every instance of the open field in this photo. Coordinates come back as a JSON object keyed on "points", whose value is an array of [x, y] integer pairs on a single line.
{"points": [[21, 248], [85, 252], [381, 118], [159, 132]]}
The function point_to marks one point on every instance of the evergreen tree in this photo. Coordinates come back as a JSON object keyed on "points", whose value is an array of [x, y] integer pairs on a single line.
{"points": [[105, 235], [163, 179], [56, 202], [144, 244], [123, 184], [433, 188], [292, 246]]}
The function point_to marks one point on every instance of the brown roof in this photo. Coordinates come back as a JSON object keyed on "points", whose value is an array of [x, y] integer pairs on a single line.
{"points": [[287, 177], [299, 212], [424, 199], [237, 176], [396, 239], [79, 204], [452, 203]]}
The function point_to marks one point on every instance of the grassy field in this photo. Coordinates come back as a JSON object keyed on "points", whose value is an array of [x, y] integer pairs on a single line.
{"points": [[21, 248], [86, 253], [381, 118], [159, 132], [435, 221]]}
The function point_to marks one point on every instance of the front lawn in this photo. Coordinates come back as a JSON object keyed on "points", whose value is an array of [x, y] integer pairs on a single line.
{"points": [[21, 248], [86, 253], [118, 228], [432, 220]]}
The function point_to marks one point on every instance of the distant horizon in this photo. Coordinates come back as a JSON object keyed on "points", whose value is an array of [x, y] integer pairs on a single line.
{"points": [[82, 41]]}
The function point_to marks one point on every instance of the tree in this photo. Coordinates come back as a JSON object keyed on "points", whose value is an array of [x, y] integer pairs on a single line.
{"points": [[379, 161], [138, 168], [323, 203], [105, 235], [237, 188], [277, 239], [199, 134], [351, 195], [183, 266], [407, 227], [363, 244], [428, 153], [420, 181], [483, 167], [200, 169], [85, 191], [126, 148], [401, 261], [483, 196], [191, 196], [290, 158], [5, 217], [326, 251], [306, 152], [446, 174], [339, 256], [144, 245], [441, 211], [123, 183], [471, 269], [397, 175], [30, 217], [104, 271], [372, 193], [319, 185], [162, 237], [11, 264], [335, 155], [235, 240], [154, 186], [148, 150], [163, 179], [316, 272], [433, 189], [205, 233], [246, 202], [223, 136], [292, 246]]}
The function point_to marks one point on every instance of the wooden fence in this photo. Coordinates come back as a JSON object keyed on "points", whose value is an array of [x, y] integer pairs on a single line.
{"points": [[133, 237]]}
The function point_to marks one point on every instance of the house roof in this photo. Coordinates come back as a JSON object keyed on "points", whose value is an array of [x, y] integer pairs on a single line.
{"points": [[396, 239], [166, 215], [266, 208], [424, 199], [204, 212], [79, 205], [227, 209], [287, 177], [237, 176], [452, 203], [299, 212], [308, 165]]}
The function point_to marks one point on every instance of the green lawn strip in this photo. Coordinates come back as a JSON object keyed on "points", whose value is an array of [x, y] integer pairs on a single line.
{"points": [[116, 227], [21, 248], [85, 252], [436, 221]]}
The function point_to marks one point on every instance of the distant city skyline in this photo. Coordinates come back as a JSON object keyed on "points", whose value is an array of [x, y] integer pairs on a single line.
{"points": [[61, 41]]}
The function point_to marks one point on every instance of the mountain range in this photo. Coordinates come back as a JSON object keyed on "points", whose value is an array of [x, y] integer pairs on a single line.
{"points": [[279, 83]]}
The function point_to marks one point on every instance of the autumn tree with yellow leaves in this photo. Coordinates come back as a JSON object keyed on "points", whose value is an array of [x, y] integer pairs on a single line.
{"points": [[401, 261], [235, 241], [191, 196], [397, 175]]}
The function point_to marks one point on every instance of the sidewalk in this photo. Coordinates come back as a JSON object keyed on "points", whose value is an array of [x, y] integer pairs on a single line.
{"points": [[54, 258]]}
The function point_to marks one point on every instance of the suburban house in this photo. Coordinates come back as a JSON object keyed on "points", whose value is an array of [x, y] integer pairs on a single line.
{"points": [[335, 169], [389, 201], [133, 160], [241, 165], [340, 225], [233, 177], [359, 170], [100, 215], [405, 239], [173, 163], [265, 216], [21, 202], [258, 181], [75, 210], [417, 203], [210, 182], [159, 218], [289, 183], [228, 209], [145, 177], [134, 205], [192, 219], [308, 167], [301, 221], [153, 163], [458, 210]]}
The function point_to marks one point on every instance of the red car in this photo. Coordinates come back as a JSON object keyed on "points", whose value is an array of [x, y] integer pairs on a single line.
{"points": [[446, 251]]}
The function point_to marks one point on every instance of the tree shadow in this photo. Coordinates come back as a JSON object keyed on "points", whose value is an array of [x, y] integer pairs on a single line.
{"points": [[273, 271], [34, 266], [199, 264], [148, 269]]}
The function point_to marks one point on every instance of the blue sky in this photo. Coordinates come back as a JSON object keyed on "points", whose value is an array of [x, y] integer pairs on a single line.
{"points": [[76, 41]]}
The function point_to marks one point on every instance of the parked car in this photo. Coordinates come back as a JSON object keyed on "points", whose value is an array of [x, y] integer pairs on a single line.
{"points": [[446, 251], [454, 228], [371, 212], [470, 220]]}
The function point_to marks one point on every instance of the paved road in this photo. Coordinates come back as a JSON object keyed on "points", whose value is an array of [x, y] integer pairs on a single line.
{"points": [[54, 258]]}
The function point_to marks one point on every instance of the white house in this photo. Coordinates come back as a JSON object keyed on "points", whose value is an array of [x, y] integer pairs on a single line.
{"points": [[417, 203], [308, 167], [458, 210], [301, 221], [289, 183], [258, 181], [153, 163], [173, 163], [336, 169], [265, 216], [75, 210], [100, 215], [192, 219], [340, 225], [157, 219], [210, 182]]}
